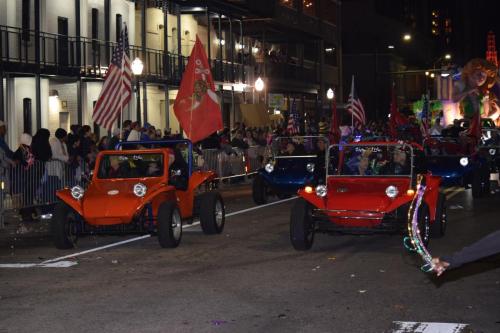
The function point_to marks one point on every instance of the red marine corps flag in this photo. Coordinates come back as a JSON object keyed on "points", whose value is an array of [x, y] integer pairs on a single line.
{"points": [[197, 106]]}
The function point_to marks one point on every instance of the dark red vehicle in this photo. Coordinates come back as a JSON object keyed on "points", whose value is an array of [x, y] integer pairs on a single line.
{"points": [[368, 189]]}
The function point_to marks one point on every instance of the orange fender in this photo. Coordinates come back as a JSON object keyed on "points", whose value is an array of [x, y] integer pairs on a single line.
{"points": [[185, 199], [67, 198]]}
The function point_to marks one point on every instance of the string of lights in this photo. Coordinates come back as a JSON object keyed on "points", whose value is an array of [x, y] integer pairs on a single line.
{"points": [[413, 241]]}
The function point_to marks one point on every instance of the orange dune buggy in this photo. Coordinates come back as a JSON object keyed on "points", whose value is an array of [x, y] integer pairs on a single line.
{"points": [[141, 191]]}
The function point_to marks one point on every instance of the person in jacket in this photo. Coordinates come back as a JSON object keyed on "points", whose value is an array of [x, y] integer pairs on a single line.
{"points": [[22, 176], [485, 247]]}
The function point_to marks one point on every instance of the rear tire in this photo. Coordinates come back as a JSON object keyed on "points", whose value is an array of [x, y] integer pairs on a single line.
{"points": [[169, 225], [438, 228], [259, 190], [212, 213], [302, 226], [63, 226]]}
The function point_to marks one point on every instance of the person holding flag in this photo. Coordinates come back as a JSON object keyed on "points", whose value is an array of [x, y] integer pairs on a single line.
{"points": [[197, 106]]}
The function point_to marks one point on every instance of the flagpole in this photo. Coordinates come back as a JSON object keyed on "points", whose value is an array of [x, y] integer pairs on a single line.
{"points": [[352, 100], [120, 124]]}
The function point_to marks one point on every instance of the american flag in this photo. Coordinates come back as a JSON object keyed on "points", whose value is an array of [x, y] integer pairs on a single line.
{"points": [[424, 126], [293, 120], [355, 107], [117, 88]]}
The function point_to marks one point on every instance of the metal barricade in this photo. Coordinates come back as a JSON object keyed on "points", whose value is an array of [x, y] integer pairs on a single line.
{"points": [[37, 184], [233, 162]]}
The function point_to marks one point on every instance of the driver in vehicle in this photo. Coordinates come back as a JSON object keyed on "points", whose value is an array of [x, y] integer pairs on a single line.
{"points": [[399, 164], [290, 149], [178, 171]]}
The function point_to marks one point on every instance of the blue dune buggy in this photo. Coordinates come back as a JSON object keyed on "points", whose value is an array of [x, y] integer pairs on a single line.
{"points": [[294, 162], [458, 163]]}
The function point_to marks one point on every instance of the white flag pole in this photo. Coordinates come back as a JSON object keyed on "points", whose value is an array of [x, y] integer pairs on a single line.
{"points": [[120, 125]]}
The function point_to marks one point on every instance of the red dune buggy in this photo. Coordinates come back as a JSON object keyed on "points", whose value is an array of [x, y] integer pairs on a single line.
{"points": [[368, 189], [147, 190]]}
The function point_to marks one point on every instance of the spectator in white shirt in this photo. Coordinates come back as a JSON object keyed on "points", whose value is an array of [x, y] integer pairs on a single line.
{"points": [[59, 154]]}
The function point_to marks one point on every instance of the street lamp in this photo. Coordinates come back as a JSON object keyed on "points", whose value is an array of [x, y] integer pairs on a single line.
{"points": [[406, 37], [137, 67], [447, 56], [330, 94], [259, 84]]}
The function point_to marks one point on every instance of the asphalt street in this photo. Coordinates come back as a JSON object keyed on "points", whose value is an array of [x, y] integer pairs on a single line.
{"points": [[250, 279]]}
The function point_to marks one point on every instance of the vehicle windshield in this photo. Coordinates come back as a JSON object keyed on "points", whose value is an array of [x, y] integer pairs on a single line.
{"points": [[445, 146], [299, 146], [370, 160], [131, 166]]}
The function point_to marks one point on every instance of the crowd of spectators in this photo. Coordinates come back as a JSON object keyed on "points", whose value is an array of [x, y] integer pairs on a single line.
{"points": [[77, 150]]}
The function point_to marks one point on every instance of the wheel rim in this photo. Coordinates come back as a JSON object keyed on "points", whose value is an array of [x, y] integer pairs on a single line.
{"points": [[219, 213], [176, 225]]}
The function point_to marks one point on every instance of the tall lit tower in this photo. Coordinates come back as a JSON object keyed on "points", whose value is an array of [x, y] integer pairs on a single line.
{"points": [[491, 50]]}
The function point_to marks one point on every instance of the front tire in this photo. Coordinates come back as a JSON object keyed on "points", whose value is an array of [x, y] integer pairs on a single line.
{"points": [[212, 213], [259, 190], [438, 228], [63, 226], [169, 225], [302, 226]]}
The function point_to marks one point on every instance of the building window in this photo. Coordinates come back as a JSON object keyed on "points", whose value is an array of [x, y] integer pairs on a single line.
{"points": [[287, 3], [309, 7], [25, 20], [95, 28], [329, 11], [330, 55], [118, 26], [27, 115]]}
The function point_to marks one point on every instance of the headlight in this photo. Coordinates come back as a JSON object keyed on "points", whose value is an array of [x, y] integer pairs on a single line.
{"points": [[140, 190], [77, 192], [269, 167], [310, 167], [464, 161], [391, 191], [321, 191], [492, 151]]}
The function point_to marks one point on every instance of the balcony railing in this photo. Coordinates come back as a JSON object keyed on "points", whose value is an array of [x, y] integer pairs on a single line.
{"points": [[59, 54]]}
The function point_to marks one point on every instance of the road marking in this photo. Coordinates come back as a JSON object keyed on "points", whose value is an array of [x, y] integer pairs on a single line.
{"points": [[456, 192], [427, 327], [59, 264], [73, 255]]}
